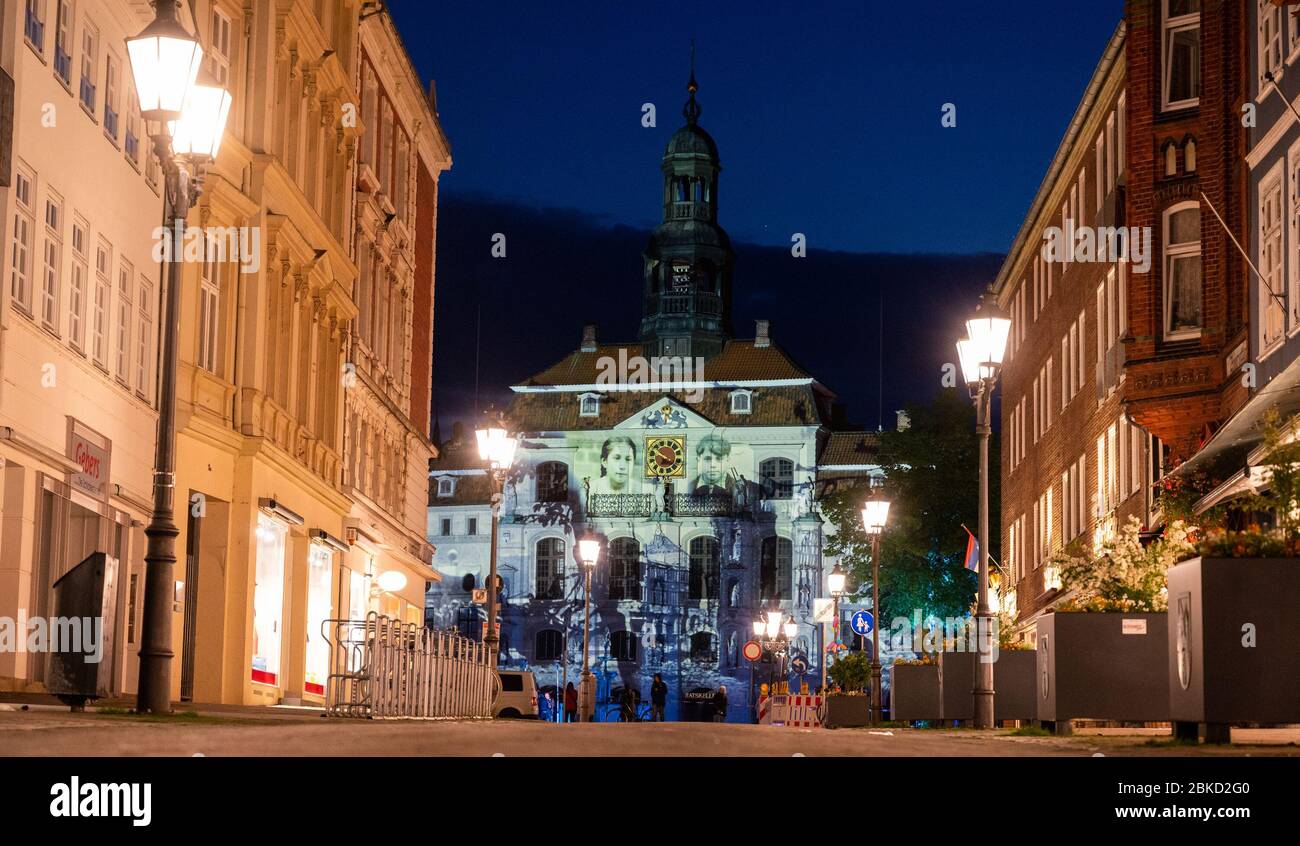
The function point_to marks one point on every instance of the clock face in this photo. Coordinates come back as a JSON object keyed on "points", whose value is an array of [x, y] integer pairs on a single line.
{"points": [[665, 457]]}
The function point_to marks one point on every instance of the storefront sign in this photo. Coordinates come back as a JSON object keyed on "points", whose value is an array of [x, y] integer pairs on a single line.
{"points": [[92, 462]]}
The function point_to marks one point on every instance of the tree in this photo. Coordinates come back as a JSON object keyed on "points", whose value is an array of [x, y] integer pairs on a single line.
{"points": [[932, 481]]}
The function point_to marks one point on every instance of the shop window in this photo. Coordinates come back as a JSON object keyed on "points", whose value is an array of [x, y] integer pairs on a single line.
{"points": [[268, 600], [319, 565]]}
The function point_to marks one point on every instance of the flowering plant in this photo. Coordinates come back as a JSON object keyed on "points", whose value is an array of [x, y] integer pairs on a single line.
{"points": [[1124, 574]]}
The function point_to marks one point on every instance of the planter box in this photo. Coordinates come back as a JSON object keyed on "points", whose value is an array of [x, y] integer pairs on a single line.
{"points": [[914, 692], [844, 711], [1013, 685], [1215, 675], [1103, 666]]}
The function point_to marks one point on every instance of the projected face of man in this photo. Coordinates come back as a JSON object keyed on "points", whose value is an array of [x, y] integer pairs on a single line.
{"points": [[618, 465], [711, 468]]}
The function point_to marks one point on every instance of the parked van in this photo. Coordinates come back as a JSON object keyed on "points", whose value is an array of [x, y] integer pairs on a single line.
{"points": [[518, 696]]}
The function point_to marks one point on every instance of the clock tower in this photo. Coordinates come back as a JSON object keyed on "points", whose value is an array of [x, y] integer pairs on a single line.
{"points": [[688, 261]]}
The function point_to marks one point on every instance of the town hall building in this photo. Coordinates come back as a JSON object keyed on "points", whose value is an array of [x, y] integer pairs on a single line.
{"points": [[694, 457]]}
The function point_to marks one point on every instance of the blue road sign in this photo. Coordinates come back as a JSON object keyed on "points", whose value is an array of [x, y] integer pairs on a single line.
{"points": [[799, 665], [862, 622]]}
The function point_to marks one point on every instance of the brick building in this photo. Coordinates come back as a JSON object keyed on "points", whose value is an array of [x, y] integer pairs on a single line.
{"points": [[1073, 465], [1187, 318]]}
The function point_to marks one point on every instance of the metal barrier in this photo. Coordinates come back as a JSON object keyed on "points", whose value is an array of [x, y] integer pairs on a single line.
{"points": [[381, 668]]}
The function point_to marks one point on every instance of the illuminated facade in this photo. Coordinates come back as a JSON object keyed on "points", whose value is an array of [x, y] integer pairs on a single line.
{"points": [[691, 454]]}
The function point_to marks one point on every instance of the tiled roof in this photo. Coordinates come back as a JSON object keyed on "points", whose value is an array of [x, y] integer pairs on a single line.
{"points": [[791, 405], [739, 361], [850, 448], [469, 490]]}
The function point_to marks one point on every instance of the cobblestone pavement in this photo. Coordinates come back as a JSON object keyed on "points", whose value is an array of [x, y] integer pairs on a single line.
{"points": [[49, 731]]}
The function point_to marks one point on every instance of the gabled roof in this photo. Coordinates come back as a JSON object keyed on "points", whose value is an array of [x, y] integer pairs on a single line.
{"points": [[850, 449]]}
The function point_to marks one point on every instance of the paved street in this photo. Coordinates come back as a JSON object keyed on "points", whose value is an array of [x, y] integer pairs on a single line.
{"points": [[55, 732]]}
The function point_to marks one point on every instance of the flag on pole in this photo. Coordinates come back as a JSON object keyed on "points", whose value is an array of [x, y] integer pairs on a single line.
{"points": [[972, 552]]}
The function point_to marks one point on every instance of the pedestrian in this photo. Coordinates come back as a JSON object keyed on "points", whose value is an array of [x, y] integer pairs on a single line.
{"points": [[570, 703], [658, 699], [720, 704], [627, 705]]}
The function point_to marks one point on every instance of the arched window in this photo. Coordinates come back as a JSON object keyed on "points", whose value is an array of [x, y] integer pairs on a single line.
{"points": [[622, 646], [774, 569], [624, 569], [704, 648], [552, 481], [550, 568], [777, 478], [704, 569], [549, 645]]}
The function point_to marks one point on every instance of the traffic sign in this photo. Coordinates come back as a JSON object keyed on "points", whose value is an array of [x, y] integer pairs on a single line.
{"points": [[799, 665], [863, 623], [752, 651], [479, 596]]}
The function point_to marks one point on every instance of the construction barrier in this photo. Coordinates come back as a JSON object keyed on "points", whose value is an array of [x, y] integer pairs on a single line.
{"points": [[794, 711], [381, 668]]}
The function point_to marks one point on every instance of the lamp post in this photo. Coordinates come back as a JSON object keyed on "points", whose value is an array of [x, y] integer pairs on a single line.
{"points": [[835, 583], [185, 120], [981, 360], [874, 514], [496, 447], [589, 552], [774, 632]]}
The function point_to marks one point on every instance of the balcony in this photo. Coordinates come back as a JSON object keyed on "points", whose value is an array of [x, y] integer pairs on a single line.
{"points": [[620, 505], [691, 211], [693, 505]]}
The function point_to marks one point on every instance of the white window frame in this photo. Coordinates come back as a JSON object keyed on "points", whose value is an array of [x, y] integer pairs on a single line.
{"points": [[22, 262], [64, 33], [112, 106], [78, 280], [209, 315], [1168, 253], [1268, 44], [446, 486], [1271, 258], [125, 317], [144, 339], [218, 54], [1293, 234], [1168, 28], [742, 402], [589, 405], [89, 67], [52, 263]]}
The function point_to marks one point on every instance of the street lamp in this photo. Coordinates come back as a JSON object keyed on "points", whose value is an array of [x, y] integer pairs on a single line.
{"points": [[497, 448], [875, 511], [981, 360], [589, 552], [185, 122], [774, 631], [835, 583]]}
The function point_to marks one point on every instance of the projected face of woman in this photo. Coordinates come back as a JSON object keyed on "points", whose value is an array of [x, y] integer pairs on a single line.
{"points": [[618, 466]]}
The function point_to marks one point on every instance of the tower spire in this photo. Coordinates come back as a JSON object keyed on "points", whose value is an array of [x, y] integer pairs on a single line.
{"points": [[692, 109]]}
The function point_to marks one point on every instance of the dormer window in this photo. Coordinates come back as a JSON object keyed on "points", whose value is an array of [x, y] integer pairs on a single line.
{"points": [[446, 486], [742, 402], [589, 405]]}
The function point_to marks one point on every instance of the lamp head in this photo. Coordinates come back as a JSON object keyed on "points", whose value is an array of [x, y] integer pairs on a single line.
{"points": [[835, 581], [165, 58], [875, 512], [589, 551]]}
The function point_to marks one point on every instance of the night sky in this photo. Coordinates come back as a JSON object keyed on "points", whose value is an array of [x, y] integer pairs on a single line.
{"points": [[827, 118]]}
